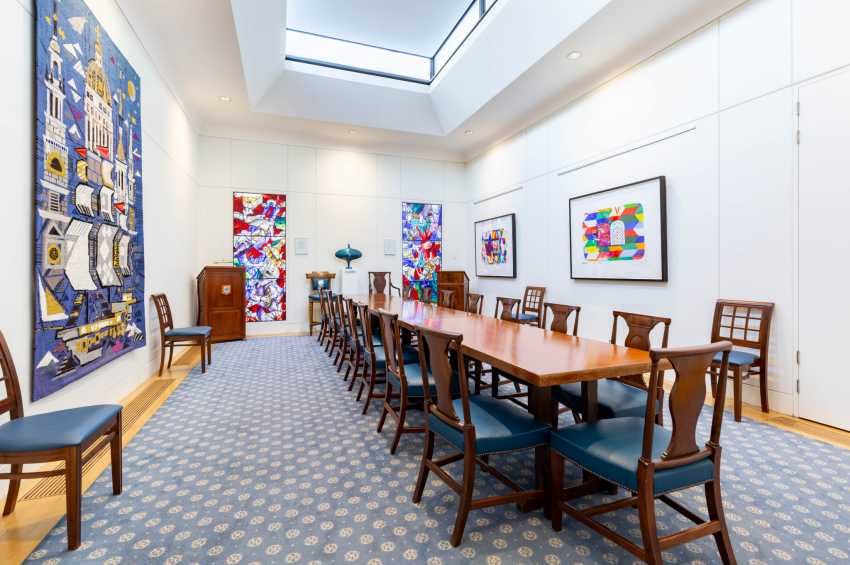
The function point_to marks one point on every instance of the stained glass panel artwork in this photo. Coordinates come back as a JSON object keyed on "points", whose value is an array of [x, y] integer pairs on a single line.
{"points": [[422, 234], [259, 246]]}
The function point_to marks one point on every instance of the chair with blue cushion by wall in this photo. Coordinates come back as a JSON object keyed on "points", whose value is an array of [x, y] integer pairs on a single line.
{"points": [[746, 325], [319, 281], [531, 309], [476, 425], [651, 461], [66, 435], [172, 337]]}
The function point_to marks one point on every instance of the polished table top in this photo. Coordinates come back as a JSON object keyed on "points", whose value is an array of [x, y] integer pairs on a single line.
{"points": [[542, 358]]}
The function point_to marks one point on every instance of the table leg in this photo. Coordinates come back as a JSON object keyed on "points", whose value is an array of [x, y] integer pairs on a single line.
{"points": [[542, 406]]}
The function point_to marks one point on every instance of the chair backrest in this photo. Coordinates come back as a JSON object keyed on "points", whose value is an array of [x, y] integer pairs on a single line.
{"points": [[437, 365], [12, 403], [351, 321], [380, 281], [391, 338], [507, 307], [474, 302], [407, 292], [163, 312], [745, 324], [640, 327], [343, 315], [366, 317], [532, 300], [446, 298], [560, 317], [323, 304], [333, 312], [687, 398], [425, 294]]}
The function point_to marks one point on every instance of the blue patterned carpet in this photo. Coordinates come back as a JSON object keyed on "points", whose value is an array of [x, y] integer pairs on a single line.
{"points": [[266, 459]]}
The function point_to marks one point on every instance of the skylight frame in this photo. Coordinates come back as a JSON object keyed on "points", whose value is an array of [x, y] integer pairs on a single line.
{"points": [[482, 7]]}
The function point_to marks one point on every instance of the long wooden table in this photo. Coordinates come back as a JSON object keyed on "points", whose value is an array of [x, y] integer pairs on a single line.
{"points": [[540, 358]]}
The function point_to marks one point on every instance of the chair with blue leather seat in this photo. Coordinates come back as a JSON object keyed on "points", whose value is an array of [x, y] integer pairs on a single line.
{"points": [[476, 425], [623, 396], [531, 310], [507, 309], [560, 317], [172, 337], [747, 325], [65, 435], [651, 461]]}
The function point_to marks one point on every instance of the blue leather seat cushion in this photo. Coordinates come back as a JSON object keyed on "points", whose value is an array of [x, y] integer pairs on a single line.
{"points": [[415, 384], [525, 317], [737, 357], [189, 331], [611, 449], [410, 356], [55, 430], [614, 399], [499, 426]]}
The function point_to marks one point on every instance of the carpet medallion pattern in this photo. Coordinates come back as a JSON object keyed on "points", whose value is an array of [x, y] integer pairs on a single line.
{"points": [[266, 459]]}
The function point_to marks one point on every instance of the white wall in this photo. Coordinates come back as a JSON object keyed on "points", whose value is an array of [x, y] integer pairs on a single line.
{"points": [[334, 196], [730, 90], [168, 151]]}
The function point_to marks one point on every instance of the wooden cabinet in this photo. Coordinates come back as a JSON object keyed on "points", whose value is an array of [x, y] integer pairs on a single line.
{"points": [[456, 281], [221, 302]]}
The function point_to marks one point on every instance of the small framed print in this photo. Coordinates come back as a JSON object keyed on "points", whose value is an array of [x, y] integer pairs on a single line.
{"points": [[495, 247], [389, 247], [302, 246]]}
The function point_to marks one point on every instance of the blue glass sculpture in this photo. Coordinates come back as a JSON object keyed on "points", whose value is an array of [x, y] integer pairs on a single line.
{"points": [[348, 255]]}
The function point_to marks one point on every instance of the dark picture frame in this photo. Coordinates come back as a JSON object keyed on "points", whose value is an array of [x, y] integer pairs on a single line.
{"points": [[657, 193], [511, 251]]}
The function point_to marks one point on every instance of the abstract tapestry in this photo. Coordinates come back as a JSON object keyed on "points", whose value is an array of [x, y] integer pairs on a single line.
{"points": [[259, 245], [496, 247], [620, 233], [422, 242], [89, 252]]}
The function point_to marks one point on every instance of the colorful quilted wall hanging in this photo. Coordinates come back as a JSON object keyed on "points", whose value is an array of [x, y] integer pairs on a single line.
{"points": [[89, 252], [495, 251], [422, 241], [620, 233], [259, 245]]}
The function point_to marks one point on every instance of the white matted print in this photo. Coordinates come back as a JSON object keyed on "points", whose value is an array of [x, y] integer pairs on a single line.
{"points": [[620, 233], [495, 247]]}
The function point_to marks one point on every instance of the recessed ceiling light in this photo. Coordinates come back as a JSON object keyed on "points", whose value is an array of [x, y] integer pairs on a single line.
{"points": [[573, 55], [225, 98], [468, 132]]}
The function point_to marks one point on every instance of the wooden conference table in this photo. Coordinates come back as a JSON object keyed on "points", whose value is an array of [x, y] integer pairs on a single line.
{"points": [[539, 358]]}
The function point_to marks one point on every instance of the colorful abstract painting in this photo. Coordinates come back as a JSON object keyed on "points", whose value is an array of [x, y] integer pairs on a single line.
{"points": [[89, 244], [259, 246], [496, 247], [614, 234], [421, 240]]}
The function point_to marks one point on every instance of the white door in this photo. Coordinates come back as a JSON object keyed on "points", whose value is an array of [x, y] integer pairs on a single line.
{"points": [[824, 250]]}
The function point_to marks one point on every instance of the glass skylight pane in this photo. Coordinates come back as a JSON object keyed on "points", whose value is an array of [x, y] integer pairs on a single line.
{"points": [[335, 52], [457, 37]]}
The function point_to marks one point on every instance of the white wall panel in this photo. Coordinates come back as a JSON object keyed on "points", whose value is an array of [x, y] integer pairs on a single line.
{"points": [[300, 169], [388, 176], [214, 162], [258, 165], [822, 29], [422, 180], [345, 172]]}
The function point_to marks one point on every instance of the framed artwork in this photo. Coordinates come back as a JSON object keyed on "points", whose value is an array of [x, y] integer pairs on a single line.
{"points": [[421, 247], [495, 247], [89, 244], [620, 233], [259, 245]]}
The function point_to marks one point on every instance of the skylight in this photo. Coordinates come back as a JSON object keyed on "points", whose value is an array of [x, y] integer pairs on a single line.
{"points": [[335, 52]]}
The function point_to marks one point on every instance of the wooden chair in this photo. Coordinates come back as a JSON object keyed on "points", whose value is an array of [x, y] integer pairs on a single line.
{"points": [[380, 281], [180, 337], [325, 328], [345, 349], [446, 298], [66, 435], [532, 305], [407, 292], [476, 425], [745, 324], [505, 310], [426, 295], [507, 307], [354, 344], [474, 302], [652, 461], [560, 317], [403, 374], [374, 369], [624, 396], [319, 281], [337, 337]]}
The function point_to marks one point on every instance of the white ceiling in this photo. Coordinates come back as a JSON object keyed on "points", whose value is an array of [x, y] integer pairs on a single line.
{"points": [[414, 26]]}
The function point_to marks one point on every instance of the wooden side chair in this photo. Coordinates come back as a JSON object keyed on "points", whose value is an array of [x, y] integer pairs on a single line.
{"points": [[506, 308], [374, 364], [319, 280], [354, 337], [325, 328], [474, 302], [404, 380], [476, 425], [172, 337], [65, 435], [560, 317], [345, 350], [446, 298], [747, 325], [624, 396], [652, 461], [407, 292], [532, 305], [426, 294], [382, 281]]}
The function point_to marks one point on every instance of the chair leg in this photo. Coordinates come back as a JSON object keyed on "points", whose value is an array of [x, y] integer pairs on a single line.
{"points": [[73, 495], [14, 489], [714, 502], [203, 356], [370, 393], [161, 359], [765, 404], [713, 377], [648, 526], [556, 480], [360, 389], [402, 417], [209, 351], [115, 447], [170, 354], [427, 455], [738, 392], [465, 497], [385, 409]]}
